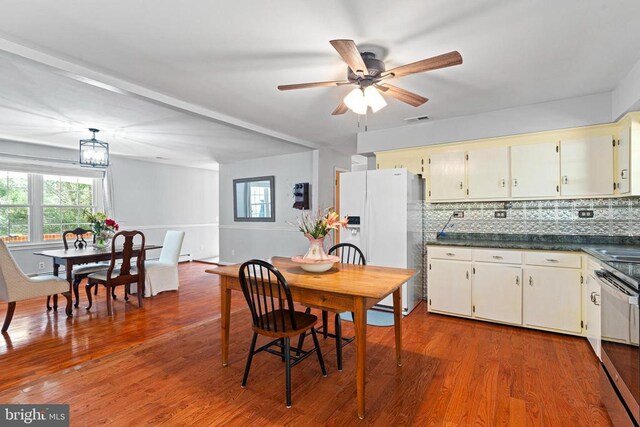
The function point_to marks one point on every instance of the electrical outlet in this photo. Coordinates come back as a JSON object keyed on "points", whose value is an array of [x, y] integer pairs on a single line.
{"points": [[500, 214], [41, 265], [458, 214], [586, 213]]}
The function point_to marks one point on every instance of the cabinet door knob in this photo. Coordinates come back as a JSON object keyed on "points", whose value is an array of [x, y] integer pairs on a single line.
{"points": [[530, 281], [502, 183], [460, 184], [450, 254], [467, 274], [624, 173], [515, 182], [497, 257], [552, 260], [518, 280], [565, 179]]}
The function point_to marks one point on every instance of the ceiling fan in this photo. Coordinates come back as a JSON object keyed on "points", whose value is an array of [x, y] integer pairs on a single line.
{"points": [[368, 73]]}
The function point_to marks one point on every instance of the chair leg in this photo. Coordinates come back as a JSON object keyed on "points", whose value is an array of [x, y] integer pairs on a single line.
{"points": [[68, 308], [95, 291], [76, 292], [282, 344], [140, 303], [325, 326], [49, 302], [88, 289], [287, 370], [249, 359], [127, 289], [55, 302], [318, 352], [109, 303], [113, 293], [338, 334], [304, 334], [7, 320]]}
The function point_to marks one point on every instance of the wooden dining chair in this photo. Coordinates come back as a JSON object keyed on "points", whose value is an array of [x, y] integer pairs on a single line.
{"points": [[273, 315], [125, 275], [81, 271], [348, 254]]}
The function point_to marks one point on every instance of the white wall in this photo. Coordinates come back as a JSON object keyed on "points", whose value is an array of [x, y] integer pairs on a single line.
{"points": [[626, 96], [561, 114], [241, 241], [151, 197], [154, 198]]}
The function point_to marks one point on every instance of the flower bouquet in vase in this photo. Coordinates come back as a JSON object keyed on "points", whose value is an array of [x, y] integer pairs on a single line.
{"points": [[103, 229], [315, 228]]}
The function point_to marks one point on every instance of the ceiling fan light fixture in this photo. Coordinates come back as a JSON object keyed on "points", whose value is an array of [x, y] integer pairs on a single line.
{"points": [[374, 99], [356, 101]]}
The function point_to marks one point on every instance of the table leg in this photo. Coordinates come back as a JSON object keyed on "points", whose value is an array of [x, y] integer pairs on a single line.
{"points": [[225, 297], [56, 271], [397, 321], [360, 324]]}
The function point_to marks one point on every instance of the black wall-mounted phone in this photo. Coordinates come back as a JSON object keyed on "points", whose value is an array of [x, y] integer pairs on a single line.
{"points": [[301, 195]]}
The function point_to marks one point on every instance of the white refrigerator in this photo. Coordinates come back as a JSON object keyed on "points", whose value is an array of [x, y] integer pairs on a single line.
{"points": [[385, 223]]}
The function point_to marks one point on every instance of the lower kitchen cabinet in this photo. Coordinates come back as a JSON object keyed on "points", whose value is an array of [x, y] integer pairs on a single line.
{"points": [[552, 298], [528, 288], [497, 293], [449, 285]]}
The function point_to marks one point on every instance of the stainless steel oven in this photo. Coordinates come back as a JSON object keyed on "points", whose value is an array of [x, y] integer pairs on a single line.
{"points": [[620, 328]]}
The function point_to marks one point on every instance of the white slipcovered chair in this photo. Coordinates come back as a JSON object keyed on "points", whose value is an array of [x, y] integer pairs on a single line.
{"points": [[16, 286], [162, 275]]}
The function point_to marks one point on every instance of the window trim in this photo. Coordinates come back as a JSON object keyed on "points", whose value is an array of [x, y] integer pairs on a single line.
{"points": [[247, 202]]}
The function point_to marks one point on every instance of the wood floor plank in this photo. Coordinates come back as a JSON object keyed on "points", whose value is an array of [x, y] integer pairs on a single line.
{"points": [[161, 366]]}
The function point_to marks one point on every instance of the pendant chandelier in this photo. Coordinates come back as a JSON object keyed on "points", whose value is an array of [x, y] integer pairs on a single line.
{"points": [[94, 153]]}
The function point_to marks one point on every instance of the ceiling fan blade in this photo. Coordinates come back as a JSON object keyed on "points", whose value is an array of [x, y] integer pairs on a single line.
{"points": [[434, 63], [403, 95], [350, 54], [340, 109], [315, 84]]}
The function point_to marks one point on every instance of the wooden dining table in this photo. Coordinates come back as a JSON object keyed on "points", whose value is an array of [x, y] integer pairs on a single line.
{"points": [[74, 256], [345, 287]]}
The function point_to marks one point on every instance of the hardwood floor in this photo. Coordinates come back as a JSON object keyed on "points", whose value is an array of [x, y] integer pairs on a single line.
{"points": [[161, 365]]}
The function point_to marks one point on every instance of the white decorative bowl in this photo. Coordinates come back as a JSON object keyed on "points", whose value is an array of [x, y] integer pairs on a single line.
{"points": [[315, 265]]}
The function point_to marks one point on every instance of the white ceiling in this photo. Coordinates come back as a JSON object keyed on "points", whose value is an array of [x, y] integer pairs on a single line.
{"points": [[228, 57]]}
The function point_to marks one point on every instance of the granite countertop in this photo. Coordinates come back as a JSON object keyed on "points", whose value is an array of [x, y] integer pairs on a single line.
{"points": [[508, 244], [587, 244]]}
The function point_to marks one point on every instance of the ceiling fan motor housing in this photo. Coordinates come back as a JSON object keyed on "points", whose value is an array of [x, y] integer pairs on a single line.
{"points": [[375, 68]]}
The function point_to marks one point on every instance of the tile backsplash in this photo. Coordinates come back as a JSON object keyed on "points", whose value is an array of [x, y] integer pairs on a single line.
{"points": [[611, 217]]}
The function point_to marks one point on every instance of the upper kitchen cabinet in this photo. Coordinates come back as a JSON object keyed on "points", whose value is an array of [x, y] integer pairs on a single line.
{"points": [[488, 173], [535, 170], [586, 166], [447, 176], [412, 161], [624, 161]]}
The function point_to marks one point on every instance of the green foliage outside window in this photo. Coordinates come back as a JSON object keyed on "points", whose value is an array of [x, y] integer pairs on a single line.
{"points": [[14, 209], [67, 201]]}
